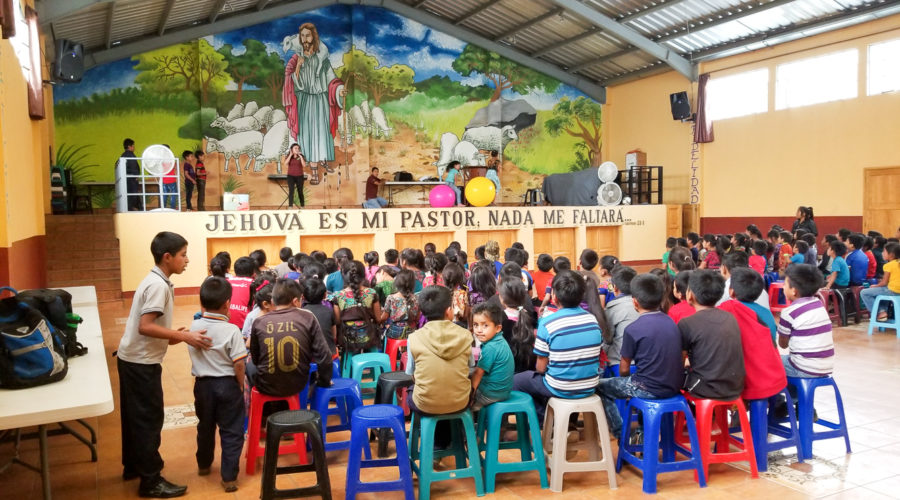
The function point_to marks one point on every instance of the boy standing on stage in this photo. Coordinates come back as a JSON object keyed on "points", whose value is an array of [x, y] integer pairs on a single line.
{"points": [[148, 333]]}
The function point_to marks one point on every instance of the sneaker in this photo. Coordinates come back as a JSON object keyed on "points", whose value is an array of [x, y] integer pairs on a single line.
{"points": [[230, 486]]}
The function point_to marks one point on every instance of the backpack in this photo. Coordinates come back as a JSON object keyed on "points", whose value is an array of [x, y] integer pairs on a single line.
{"points": [[403, 176], [32, 351], [355, 338], [56, 306]]}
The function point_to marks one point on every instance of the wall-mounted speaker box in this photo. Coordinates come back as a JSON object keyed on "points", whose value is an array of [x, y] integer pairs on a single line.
{"points": [[68, 67], [681, 107]]}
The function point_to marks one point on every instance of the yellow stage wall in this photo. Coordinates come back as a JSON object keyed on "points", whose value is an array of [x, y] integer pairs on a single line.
{"points": [[637, 233], [24, 159]]}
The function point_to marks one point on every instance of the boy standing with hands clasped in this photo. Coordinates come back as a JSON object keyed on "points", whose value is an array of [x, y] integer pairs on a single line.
{"points": [[148, 334], [219, 383]]}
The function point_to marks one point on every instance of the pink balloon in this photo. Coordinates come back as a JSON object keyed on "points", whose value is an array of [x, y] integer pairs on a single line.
{"points": [[442, 196]]}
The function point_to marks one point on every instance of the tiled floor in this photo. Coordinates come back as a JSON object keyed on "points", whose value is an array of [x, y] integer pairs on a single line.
{"points": [[868, 369]]}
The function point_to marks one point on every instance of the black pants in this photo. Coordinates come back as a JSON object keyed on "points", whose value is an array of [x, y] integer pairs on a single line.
{"points": [[141, 405], [219, 402], [201, 194], [188, 194], [135, 200], [295, 182]]}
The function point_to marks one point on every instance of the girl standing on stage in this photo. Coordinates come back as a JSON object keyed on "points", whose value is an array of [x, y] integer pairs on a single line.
{"points": [[294, 163]]}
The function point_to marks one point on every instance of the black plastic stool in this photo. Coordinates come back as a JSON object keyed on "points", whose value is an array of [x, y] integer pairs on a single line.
{"points": [[388, 385], [287, 422]]}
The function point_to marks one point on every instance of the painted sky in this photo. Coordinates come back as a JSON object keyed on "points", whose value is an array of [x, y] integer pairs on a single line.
{"points": [[390, 37]]}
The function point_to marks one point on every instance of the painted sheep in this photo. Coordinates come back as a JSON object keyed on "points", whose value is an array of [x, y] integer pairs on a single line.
{"points": [[264, 115], [379, 123], [247, 143], [276, 116], [237, 125], [274, 147], [236, 112], [491, 138], [250, 108]]}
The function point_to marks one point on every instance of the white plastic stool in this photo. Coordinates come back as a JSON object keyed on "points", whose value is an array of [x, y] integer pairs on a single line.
{"points": [[596, 439]]}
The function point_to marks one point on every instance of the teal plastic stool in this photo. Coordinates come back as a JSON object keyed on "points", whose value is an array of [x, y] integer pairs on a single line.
{"points": [[421, 448], [888, 323], [490, 424], [377, 362]]}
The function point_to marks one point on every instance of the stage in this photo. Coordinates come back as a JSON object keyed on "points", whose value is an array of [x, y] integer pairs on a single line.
{"points": [[634, 233]]}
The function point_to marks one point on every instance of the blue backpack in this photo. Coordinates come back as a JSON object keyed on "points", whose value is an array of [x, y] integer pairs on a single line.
{"points": [[32, 351]]}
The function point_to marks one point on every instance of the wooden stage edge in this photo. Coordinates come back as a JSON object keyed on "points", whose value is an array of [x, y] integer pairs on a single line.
{"points": [[634, 233]]}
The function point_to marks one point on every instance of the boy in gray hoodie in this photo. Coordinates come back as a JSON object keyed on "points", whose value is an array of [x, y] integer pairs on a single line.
{"points": [[620, 312]]}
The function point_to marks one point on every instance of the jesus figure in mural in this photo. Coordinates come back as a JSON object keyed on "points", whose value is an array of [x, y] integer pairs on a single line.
{"points": [[312, 98]]}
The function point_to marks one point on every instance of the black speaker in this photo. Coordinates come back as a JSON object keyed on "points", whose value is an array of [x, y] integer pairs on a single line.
{"points": [[681, 107], [69, 64]]}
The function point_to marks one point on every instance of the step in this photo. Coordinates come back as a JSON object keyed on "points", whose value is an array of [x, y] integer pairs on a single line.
{"points": [[84, 262]]}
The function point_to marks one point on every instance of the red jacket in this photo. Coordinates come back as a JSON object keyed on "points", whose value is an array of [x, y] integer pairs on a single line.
{"points": [[764, 371]]}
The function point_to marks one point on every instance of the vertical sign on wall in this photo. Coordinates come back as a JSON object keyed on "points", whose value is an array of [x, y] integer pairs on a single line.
{"points": [[695, 168]]}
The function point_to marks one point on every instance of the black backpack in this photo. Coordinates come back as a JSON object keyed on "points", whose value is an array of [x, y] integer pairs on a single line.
{"points": [[357, 338], [32, 351], [403, 177], [56, 306]]}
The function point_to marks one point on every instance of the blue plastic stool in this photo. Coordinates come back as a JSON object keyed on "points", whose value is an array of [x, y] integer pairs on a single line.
{"points": [[376, 417], [377, 362], [763, 423], [313, 368], [345, 393], [659, 433], [889, 323], [490, 424], [463, 448], [806, 391]]}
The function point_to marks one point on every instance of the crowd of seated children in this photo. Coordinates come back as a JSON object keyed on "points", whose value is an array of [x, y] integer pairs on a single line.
{"points": [[518, 323], [620, 312]]}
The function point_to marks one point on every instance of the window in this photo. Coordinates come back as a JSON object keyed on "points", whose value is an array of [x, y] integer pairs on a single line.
{"points": [[818, 79], [884, 67], [738, 95]]}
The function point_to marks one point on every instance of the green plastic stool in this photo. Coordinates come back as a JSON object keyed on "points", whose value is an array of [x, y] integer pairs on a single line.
{"points": [[490, 425], [421, 448], [377, 362]]}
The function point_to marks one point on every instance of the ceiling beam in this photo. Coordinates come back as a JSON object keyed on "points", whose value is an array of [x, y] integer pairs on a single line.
{"points": [[654, 69], [216, 10], [723, 16], [568, 41], [858, 15], [109, 23], [175, 36], [586, 85], [50, 11], [164, 19], [529, 24], [261, 4], [669, 56], [600, 60], [649, 10], [474, 12]]}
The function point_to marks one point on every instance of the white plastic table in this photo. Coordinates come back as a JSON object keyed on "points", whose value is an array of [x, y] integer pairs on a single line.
{"points": [[85, 391]]}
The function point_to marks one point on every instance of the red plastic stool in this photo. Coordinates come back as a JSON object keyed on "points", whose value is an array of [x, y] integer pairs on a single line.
{"points": [[832, 304], [776, 294], [255, 432], [712, 428], [392, 349], [860, 312]]}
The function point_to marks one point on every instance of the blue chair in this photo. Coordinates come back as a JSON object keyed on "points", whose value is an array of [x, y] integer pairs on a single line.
{"points": [[345, 393], [313, 368], [377, 416], [893, 300], [659, 433], [463, 448], [763, 424], [377, 362], [806, 391], [490, 426]]}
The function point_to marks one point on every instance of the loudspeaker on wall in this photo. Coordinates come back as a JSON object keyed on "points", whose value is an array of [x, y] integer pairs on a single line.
{"points": [[68, 67], [681, 107]]}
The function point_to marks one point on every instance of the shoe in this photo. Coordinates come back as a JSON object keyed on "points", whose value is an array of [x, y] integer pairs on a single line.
{"points": [[162, 489], [203, 471], [230, 486]]}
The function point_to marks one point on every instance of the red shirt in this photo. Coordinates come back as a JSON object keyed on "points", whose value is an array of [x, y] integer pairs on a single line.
{"points": [[762, 364], [680, 311], [240, 300], [295, 167], [200, 171], [873, 265], [542, 280], [372, 187], [758, 263]]}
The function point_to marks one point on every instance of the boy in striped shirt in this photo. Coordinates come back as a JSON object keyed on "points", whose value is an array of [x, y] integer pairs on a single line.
{"points": [[567, 348], [804, 327]]}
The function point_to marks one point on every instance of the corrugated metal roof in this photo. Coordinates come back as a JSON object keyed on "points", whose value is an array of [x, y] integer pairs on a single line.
{"points": [[695, 29]]}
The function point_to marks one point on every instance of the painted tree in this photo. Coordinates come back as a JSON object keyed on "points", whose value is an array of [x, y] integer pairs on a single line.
{"points": [[245, 66], [579, 118], [361, 72], [502, 72], [186, 67], [358, 69]]}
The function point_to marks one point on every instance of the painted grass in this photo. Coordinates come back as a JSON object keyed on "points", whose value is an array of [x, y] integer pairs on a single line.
{"points": [[538, 152], [432, 117], [105, 135]]}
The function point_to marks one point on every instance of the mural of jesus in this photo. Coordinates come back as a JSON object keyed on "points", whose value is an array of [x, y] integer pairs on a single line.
{"points": [[312, 99]]}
